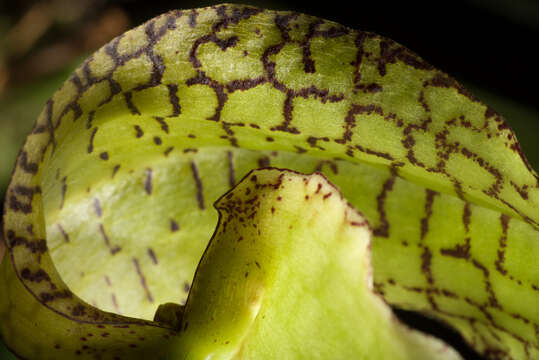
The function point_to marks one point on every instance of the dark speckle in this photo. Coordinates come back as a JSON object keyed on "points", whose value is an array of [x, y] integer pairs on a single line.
{"points": [[97, 207], [152, 256], [64, 233], [198, 183], [142, 279], [264, 162], [91, 145], [168, 150], [174, 226], [104, 155], [157, 140], [148, 181], [115, 170], [162, 122], [138, 131]]}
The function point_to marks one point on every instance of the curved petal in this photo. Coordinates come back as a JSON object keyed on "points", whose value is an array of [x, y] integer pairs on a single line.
{"points": [[294, 279], [109, 197]]}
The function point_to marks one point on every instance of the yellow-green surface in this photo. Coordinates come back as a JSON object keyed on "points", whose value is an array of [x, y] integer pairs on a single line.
{"points": [[115, 184], [302, 285]]}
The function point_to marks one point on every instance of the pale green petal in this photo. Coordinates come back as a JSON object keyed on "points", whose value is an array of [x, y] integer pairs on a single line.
{"points": [[299, 284]]}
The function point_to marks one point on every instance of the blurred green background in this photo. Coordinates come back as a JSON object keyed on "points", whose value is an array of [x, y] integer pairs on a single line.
{"points": [[487, 45]]}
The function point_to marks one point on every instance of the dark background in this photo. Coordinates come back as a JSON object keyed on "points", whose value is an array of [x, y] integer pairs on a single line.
{"points": [[486, 45]]}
